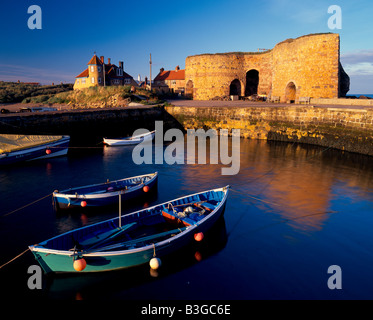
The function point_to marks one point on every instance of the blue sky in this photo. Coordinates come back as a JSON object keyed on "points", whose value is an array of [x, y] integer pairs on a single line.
{"points": [[170, 30]]}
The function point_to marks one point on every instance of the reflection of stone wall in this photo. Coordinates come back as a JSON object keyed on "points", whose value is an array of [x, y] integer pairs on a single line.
{"points": [[311, 62], [345, 129]]}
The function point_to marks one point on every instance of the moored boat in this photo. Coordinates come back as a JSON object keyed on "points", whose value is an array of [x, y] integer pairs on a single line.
{"points": [[130, 140], [16, 148], [133, 239], [105, 193]]}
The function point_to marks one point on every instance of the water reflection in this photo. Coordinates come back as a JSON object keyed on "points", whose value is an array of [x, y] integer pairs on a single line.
{"points": [[295, 182]]}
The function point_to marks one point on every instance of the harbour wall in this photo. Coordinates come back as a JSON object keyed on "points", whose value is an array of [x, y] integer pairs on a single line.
{"points": [[339, 128], [87, 126]]}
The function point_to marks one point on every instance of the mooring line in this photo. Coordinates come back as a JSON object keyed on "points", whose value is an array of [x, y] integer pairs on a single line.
{"points": [[25, 206], [14, 258]]}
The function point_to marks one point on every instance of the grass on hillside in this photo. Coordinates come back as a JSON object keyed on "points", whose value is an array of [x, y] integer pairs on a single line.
{"points": [[94, 95], [13, 92]]}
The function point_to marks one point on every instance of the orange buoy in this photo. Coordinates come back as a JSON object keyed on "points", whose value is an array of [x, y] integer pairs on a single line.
{"points": [[48, 151], [80, 264], [83, 204], [146, 189], [198, 236]]}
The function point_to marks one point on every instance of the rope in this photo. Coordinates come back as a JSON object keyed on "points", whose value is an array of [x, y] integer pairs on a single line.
{"points": [[14, 258], [247, 195], [25, 206]]}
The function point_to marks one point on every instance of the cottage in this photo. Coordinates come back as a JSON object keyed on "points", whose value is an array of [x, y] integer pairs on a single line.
{"points": [[170, 81], [100, 73]]}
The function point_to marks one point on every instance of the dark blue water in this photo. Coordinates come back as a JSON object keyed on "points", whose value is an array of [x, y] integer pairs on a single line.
{"points": [[292, 212]]}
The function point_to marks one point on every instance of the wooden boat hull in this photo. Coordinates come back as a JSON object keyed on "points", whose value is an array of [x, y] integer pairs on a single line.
{"points": [[52, 260], [55, 149], [130, 141], [73, 199]]}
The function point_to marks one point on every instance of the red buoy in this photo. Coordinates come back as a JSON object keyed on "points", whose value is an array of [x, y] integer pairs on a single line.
{"points": [[83, 204], [48, 151], [79, 264], [198, 236], [146, 189]]}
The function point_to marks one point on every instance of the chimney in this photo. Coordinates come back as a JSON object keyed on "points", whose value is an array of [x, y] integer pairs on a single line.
{"points": [[108, 60], [161, 70], [177, 68], [121, 64], [102, 59]]}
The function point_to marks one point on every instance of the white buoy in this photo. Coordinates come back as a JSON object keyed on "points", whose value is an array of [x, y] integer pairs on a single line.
{"points": [[155, 263]]}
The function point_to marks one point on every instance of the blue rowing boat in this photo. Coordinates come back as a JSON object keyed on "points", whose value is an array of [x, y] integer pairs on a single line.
{"points": [[133, 239], [15, 148], [107, 193]]}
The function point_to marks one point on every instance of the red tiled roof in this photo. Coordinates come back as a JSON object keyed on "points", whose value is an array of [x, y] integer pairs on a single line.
{"points": [[83, 74], [170, 75], [110, 69], [95, 60]]}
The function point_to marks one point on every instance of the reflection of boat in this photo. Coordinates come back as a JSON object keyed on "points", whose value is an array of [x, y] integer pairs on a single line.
{"points": [[130, 140], [16, 147], [105, 193], [135, 238]]}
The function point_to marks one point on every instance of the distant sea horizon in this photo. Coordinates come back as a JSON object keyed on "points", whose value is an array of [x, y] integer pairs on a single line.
{"points": [[360, 94]]}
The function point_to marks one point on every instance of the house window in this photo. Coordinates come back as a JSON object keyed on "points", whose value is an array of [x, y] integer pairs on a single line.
{"points": [[93, 80], [173, 82], [83, 81], [92, 68], [99, 69], [127, 81], [77, 81], [99, 80]]}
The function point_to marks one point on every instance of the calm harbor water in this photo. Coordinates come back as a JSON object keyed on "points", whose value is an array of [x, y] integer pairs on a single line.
{"points": [[292, 212]]}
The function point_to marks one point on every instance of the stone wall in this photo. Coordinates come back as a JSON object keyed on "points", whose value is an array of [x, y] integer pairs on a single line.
{"points": [[87, 126], [311, 63], [344, 129]]}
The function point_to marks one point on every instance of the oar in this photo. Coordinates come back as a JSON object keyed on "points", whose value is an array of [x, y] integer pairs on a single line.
{"points": [[134, 241]]}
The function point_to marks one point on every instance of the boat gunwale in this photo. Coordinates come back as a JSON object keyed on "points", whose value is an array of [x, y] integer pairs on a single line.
{"points": [[63, 193], [134, 139], [40, 248]]}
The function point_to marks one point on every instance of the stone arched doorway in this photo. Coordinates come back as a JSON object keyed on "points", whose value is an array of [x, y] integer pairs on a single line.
{"points": [[189, 89], [252, 82], [235, 88], [290, 92]]}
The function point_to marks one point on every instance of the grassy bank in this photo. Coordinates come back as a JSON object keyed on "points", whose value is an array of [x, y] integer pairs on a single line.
{"points": [[13, 92], [98, 97]]}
